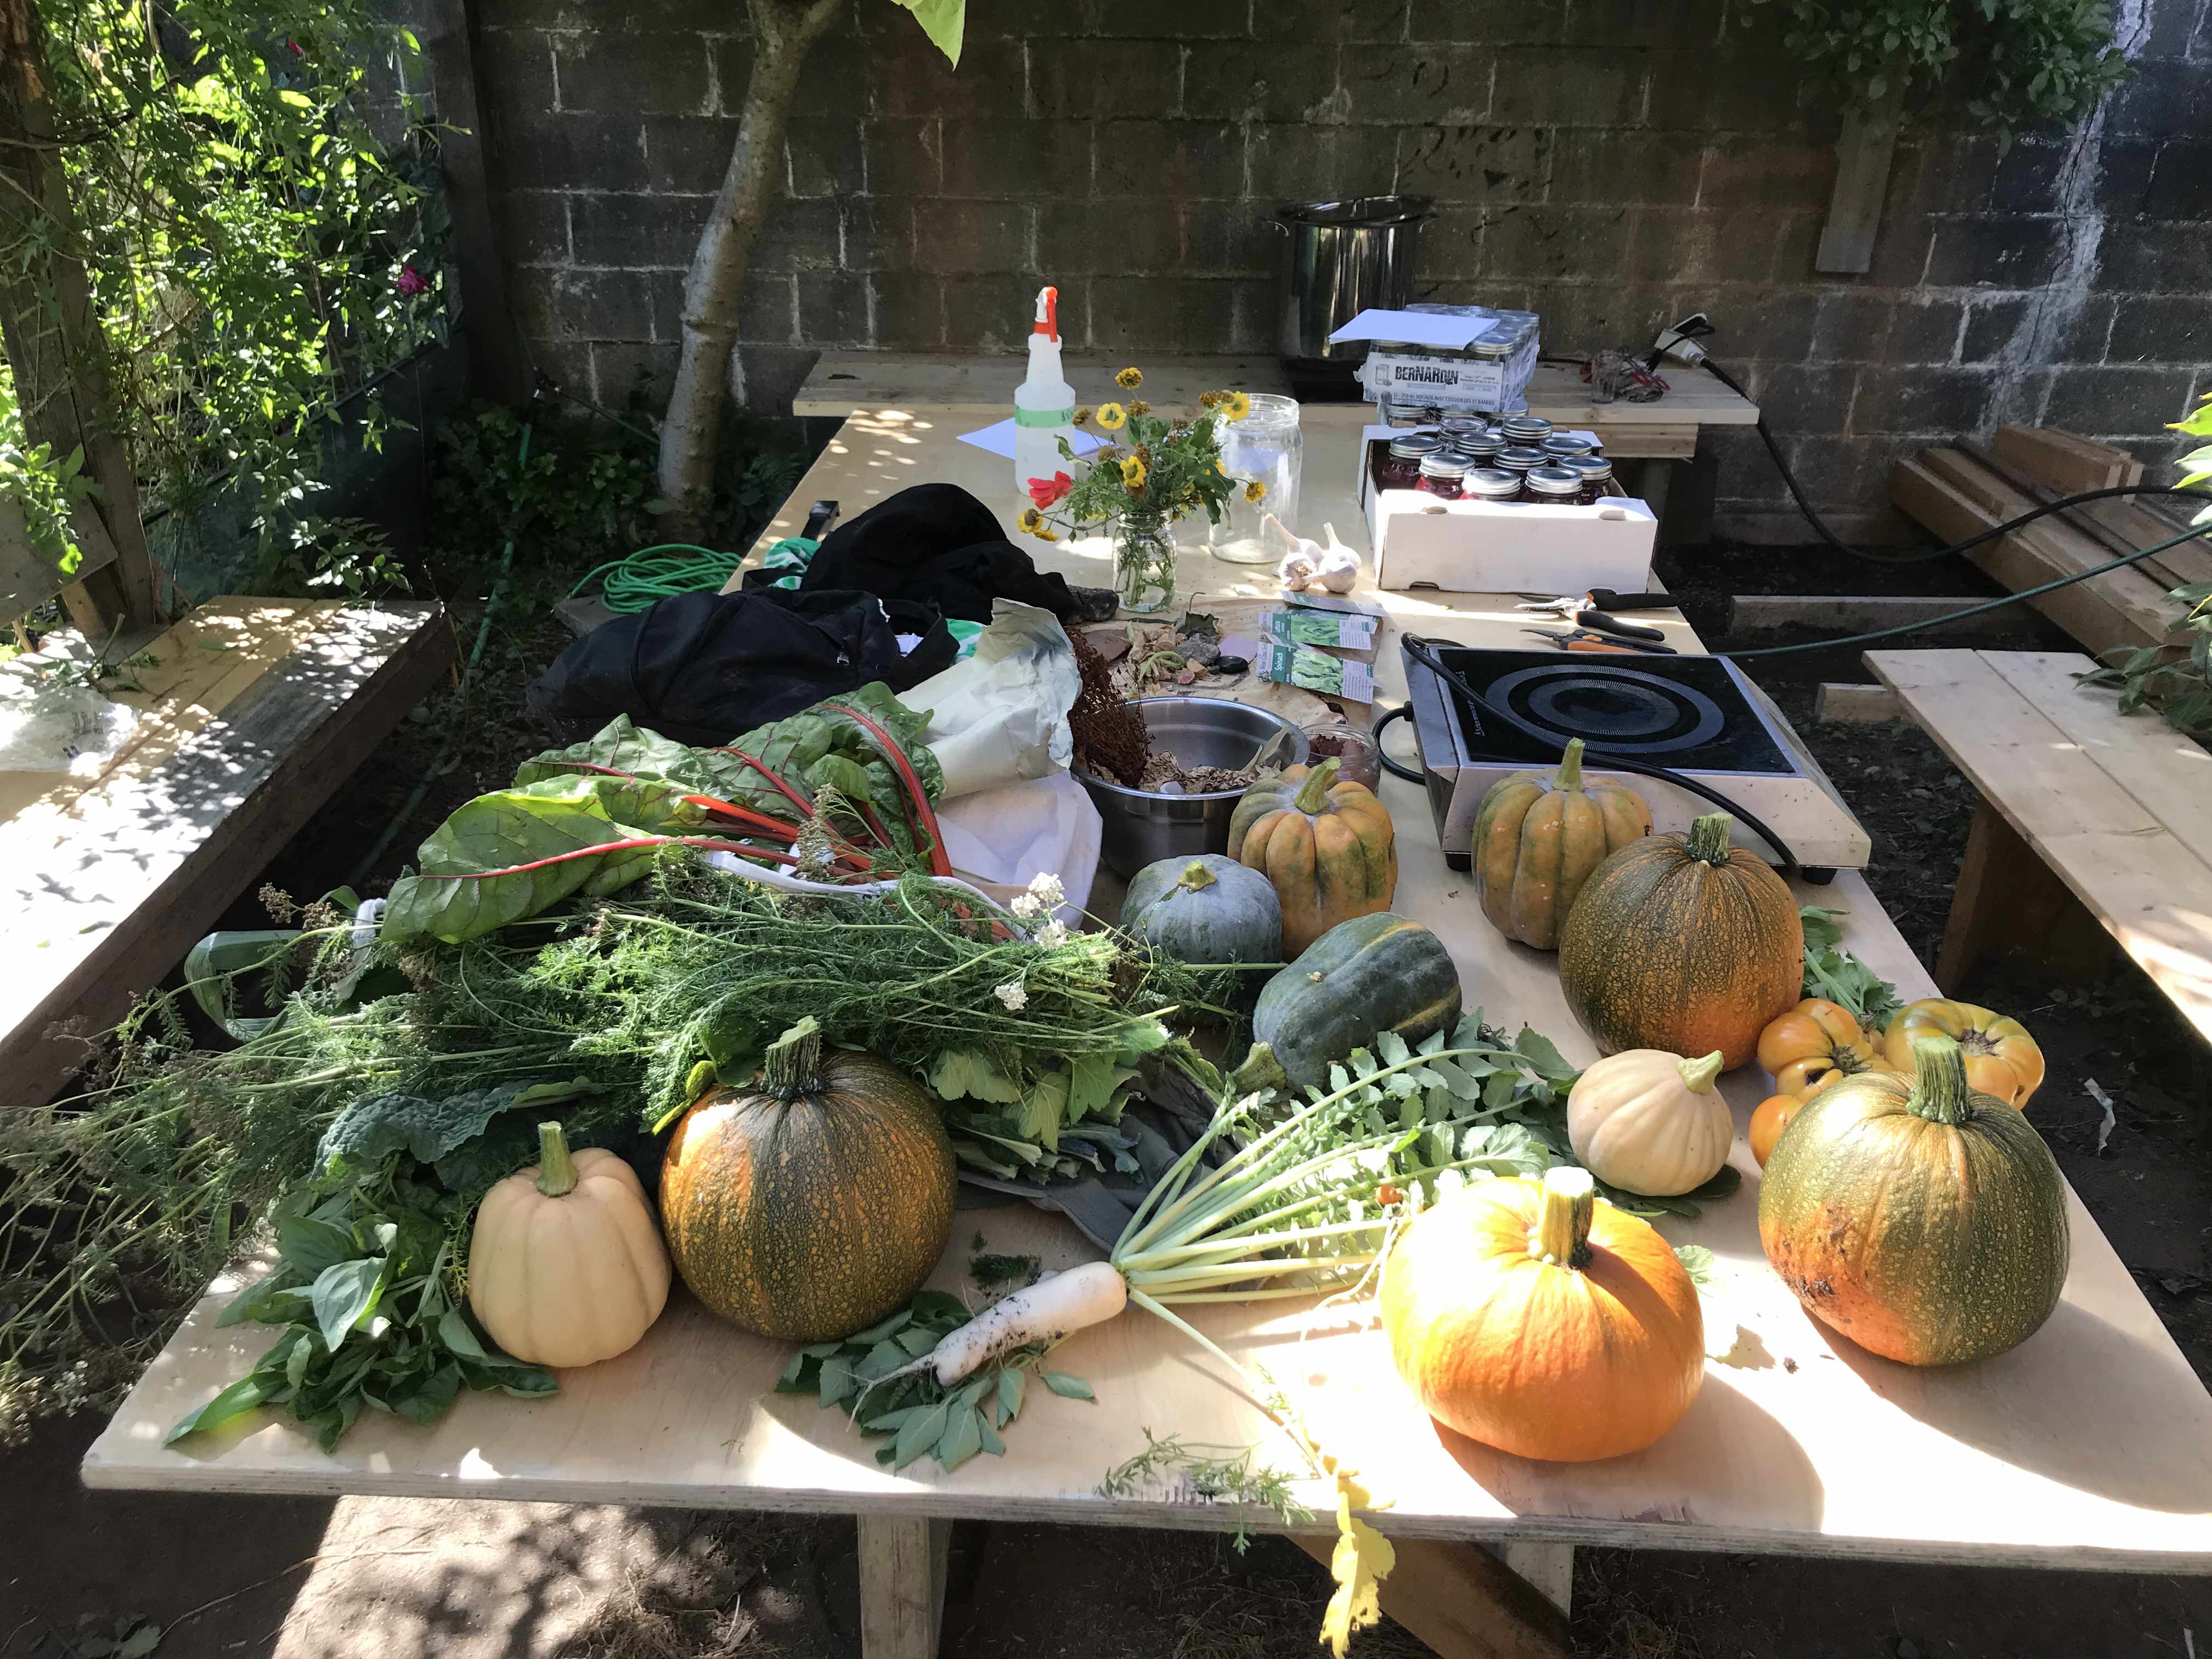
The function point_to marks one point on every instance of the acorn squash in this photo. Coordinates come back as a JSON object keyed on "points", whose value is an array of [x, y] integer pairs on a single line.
{"points": [[1371, 974], [1327, 848], [1538, 835], [1683, 943]]}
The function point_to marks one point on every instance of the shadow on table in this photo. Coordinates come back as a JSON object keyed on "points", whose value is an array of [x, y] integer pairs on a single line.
{"points": [[2081, 1402], [1726, 1438]]}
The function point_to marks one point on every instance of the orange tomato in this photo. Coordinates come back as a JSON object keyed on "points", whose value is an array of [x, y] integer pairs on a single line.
{"points": [[1771, 1118], [1813, 1044], [2002, 1058]]}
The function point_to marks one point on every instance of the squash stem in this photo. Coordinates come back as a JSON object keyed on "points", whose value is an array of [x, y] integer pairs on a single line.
{"points": [[1940, 1092], [556, 1169], [1709, 838], [1698, 1075], [1195, 875], [1569, 777], [1562, 1234], [1313, 793], [792, 1061]]}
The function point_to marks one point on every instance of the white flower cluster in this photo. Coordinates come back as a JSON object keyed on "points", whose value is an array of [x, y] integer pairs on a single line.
{"points": [[1053, 933], [1014, 994]]}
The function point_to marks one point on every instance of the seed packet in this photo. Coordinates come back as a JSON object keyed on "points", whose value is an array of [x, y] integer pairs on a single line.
{"points": [[1348, 630], [1316, 671]]}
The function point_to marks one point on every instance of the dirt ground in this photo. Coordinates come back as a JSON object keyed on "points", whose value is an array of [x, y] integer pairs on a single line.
{"points": [[243, 1578]]}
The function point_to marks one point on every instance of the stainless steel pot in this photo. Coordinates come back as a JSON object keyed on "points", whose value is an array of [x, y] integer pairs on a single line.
{"points": [[1140, 827], [1345, 257]]}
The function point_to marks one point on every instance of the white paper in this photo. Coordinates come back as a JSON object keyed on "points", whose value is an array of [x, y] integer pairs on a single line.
{"points": [[1001, 716], [999, 439], [1428, 328], [1002, 838]]}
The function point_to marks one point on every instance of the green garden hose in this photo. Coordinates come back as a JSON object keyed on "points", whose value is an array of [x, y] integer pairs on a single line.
{"points": [[652, 573]]}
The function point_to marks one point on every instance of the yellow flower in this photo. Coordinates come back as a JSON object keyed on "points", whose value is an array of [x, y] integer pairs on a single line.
{"points": [[1255, 491], [1031, 523], [1046, 535], [1112, 417], [1221, 467], [1133, 473], [1130, 379], [1239, 404]]}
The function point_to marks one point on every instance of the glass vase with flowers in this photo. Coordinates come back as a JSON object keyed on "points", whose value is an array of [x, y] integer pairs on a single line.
{"points": [[1152, 471]]}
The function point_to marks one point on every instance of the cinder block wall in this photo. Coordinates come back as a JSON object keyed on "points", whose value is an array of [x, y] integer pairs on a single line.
{"points": [[1609, 164]]}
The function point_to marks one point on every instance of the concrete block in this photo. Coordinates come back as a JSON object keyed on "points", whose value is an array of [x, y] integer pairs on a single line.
{"points": [[638, 232], [1500, 22], [993, 314], [768, 308], [825, 156], [1179, 314], [1747, 170], [1924, 329], [905, 156], [1566, 87], [1852, 327], [2116, 398], [1111, 236], [908, 310], [1175, 20], [535, 223], [2030, 178], [1803, 398], [1993, 326], [908, 75], [1284, 81], [554, 304], [1541, 241], [1072, 79], [771, 374], [2161, 96], [1353, 21], [2002, 252], [634, 377], [1181, 160], [2181, 184], [986, 157], [2085, 336], [2161, 328], [688, 154], [833, 309], [1433, 81], [1479, 167], [548, 150], [1940, 402], [634, 74], [2155, 257], [1623, 165], [971, 237], [1295, 163]]}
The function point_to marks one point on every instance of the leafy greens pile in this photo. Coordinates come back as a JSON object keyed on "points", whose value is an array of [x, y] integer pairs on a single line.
{"points": [[1840, 976]]}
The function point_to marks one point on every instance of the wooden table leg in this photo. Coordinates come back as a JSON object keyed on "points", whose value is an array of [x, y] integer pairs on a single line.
{"points": [[2008, 899], [1549, 1567], [902, 1586], [1652, 478], [1464, 1603]]}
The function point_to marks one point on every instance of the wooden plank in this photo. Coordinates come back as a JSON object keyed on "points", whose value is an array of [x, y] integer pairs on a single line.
{"points": [[2006, 898], [844, 383], [1857, 612], [2082, 610], [2114, 524], [1855, 705], [2143, 884], [2062, 462], [2135, 524], [107, 896], [902, 1586], [1862, 158], [1462, 1602], [1549, 1568]]}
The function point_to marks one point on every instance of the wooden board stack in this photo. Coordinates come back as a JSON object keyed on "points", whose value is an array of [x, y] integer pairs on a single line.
{"points": [[1961, 491]]}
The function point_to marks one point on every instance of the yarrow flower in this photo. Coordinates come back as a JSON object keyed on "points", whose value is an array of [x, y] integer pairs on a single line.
{"points": [[1014, 994], [1052, 934], [1255, 491], [1112, 417], [1026, 905], [1046, 889], [1130, 379]]}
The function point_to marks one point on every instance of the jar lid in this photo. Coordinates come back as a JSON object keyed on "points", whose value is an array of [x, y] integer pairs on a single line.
{"points": [[1476, 452], [1491, 481], [1555, 480], [1492, 350], [1412, 446], [1591, 467], [1528, 428], [1521, 458], [1453, 425], [1566, 445], [1439, 465]]}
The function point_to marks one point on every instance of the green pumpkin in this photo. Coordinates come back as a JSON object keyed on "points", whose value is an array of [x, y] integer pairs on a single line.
{"points": [[1919, 1217], [1205, 909], [1363, 977]]}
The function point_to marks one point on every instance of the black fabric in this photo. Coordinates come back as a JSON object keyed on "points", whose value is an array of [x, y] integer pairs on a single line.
{"points": [[702, 667], [937, 545]]}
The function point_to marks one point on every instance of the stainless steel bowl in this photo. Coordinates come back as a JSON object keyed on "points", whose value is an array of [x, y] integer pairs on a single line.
{"points": [[1142, 827]]}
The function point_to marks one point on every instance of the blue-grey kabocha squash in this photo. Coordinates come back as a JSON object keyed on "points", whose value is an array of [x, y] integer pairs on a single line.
{"points": [[1205, 909]]}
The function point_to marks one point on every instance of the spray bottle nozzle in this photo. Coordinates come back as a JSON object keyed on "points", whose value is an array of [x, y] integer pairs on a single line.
{"points": [[1047, 312]]}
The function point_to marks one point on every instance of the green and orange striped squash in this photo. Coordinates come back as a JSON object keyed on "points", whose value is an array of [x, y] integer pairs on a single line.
{"points": [[1920, 1217], [1363, 977], [1682, 943], [1539, 836], [1327, 848], [810, 1206]]}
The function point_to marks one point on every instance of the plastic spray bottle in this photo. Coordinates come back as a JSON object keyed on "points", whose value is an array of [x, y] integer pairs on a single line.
{"points": [[1044, 403]]}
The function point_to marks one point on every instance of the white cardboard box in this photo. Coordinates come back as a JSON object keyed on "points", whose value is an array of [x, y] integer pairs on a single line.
{"points": [[1478, 547]]}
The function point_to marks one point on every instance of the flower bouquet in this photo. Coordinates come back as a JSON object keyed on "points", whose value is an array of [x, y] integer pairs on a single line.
{"points": [[1152, 472]]}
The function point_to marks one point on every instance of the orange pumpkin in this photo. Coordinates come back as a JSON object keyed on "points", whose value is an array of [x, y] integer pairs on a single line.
{"points": [[1327, 848], [1770, 1117], [1814, 1043], [1534, 1318], [2001, 1059]]}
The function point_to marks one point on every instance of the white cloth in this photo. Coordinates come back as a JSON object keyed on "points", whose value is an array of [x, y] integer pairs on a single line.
{"points": [[1001, 716], [1000, 839]]}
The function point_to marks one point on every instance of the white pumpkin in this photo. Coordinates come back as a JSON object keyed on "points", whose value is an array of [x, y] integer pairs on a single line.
{"points": [[1651, 1122], [566, 1265]]}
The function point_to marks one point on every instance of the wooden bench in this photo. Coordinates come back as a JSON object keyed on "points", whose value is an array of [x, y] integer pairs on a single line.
{"points": [[2076, 798], [251, 712]]}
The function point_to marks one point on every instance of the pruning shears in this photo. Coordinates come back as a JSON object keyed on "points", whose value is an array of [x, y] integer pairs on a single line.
{"points": [[1595, 610], [1583, 639]]}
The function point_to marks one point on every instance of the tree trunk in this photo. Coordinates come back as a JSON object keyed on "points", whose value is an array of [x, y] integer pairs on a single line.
{"points": [[55, 349], [785, 30]]}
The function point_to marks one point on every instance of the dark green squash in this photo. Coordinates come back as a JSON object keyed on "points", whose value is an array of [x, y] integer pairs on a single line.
{"points": [[1206, 909], [810, 1206], [1363, 977]]}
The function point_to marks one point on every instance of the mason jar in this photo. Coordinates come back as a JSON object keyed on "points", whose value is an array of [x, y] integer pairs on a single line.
{"points": [[1266, 448]]}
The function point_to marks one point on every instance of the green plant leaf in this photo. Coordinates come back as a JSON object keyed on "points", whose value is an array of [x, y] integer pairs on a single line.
{"points": [[1068, 1387], [345, 1293]]}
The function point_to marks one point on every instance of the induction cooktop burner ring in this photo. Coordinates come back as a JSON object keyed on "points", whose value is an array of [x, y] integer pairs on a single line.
{"points": [[1624, 710]]}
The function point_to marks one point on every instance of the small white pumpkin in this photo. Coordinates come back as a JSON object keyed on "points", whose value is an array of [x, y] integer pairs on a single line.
{"points": [[566, 1265], [1651, 1123]]}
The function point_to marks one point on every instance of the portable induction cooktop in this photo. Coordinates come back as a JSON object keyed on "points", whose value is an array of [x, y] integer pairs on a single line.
{"points": [[1697, 715]]}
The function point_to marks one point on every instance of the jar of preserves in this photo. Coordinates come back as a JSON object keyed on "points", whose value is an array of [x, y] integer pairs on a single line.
{"points": [[1491, 483], [1517, 458], [1453, 428], [1525, 428], [1568, 446], [1441, 473], [1478, 447], [1553, 486], [1597, 478], [1400, 468]]}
